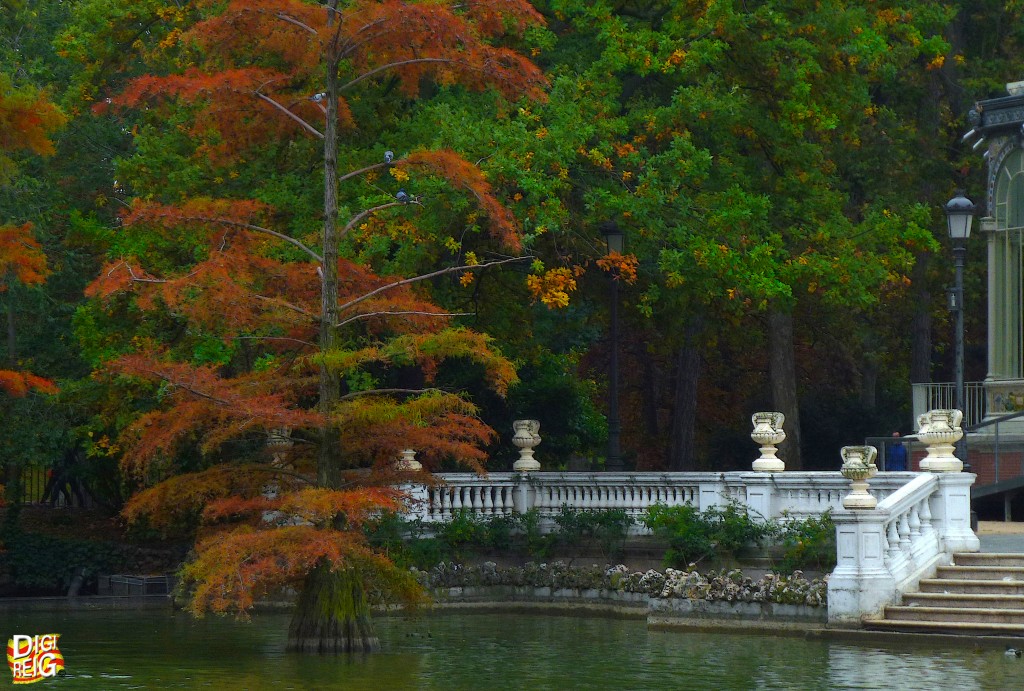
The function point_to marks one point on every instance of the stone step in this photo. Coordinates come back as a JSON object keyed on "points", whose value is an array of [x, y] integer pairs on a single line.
{"points": [[948, 614], [948, 627], [959, 585], [981, 573], [964, 600], [988, 559]]}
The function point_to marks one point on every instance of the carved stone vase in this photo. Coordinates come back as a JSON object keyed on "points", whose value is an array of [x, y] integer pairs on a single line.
{"points": [[768, 435], [940, 431], [526, 437], [858, 467]]}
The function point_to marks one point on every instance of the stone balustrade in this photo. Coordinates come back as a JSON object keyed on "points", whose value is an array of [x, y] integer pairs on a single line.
{"points": [[885, 550], [892, 529], [771, 496]]}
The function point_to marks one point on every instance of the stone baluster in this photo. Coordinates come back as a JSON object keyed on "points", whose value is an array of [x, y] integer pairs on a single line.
{"points": [[488, 504], [904, 529], [925, 514], [768, 435], [892, 540], [457, 504], [858, 467], [526, 438], [444, 502]]}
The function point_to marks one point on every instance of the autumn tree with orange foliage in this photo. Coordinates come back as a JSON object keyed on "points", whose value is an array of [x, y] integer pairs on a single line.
{"points": [[343, 367], [27, 118]]}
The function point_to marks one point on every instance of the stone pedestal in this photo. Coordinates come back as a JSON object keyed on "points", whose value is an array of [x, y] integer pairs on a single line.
{"points": [[407, 461], [861, 584]]}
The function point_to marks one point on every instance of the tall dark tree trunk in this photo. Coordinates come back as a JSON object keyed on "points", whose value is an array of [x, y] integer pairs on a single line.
{"points": [[684, 409], [782, 372], [12, 328], [316, 626], [332, 615], [921, 324]]}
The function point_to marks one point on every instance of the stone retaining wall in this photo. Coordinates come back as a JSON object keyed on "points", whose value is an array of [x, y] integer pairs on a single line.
{"points": [[658, 611]]}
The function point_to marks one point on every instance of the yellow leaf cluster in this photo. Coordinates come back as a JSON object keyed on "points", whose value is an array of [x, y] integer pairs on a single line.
{"points": [[553, 287]]}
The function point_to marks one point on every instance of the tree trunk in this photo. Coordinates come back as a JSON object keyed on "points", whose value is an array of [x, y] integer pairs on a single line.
{"points": [[684, 405], [921, 325], [782, 372], [12, 330], [333, 615]]}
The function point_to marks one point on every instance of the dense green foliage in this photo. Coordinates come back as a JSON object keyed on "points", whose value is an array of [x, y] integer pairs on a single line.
{"points": [[784, 158], [691, 536]]}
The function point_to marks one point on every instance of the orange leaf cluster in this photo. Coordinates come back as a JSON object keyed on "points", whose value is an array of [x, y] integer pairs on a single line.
{"points": [[623, 266], [464, 175], [201, 402], [20, 383], [27, 118], [233, 570], [21, 256]]}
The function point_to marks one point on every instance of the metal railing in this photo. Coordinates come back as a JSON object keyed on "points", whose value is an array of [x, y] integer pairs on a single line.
{"points": [[994, 422], [942, 396]]}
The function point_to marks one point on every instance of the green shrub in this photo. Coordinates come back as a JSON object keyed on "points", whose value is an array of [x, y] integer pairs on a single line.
{"points": [[694, 535], [808, 544], [45, 563], [538, 545], [609, 528]]}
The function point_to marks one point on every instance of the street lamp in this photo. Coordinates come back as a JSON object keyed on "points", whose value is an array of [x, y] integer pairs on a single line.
{"points": [[614, 238], [959, 215]]}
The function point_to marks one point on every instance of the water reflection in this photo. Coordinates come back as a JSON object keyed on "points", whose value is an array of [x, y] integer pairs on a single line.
{"points": [[157, 649]]}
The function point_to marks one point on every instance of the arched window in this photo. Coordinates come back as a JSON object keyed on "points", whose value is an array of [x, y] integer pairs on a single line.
{"points": [[1006, 337]]}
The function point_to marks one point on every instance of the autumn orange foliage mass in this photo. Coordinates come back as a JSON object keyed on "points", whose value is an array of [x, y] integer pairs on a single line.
{"points": [[266, 517]]}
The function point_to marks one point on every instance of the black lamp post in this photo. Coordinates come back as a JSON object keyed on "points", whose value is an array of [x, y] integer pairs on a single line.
{"points": [[959, 215], [614, 238]]}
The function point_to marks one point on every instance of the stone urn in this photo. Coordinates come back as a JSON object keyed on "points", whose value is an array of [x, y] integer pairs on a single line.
{"points": [[407, 461], [940, 431], [768, 435], [526, 437], [858, 467]]}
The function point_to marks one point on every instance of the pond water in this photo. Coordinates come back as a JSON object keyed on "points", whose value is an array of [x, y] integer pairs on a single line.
{"points": [[158, 649]]}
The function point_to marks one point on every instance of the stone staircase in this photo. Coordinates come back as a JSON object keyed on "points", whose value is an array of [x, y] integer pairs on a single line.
{"points": [[981, 594]]}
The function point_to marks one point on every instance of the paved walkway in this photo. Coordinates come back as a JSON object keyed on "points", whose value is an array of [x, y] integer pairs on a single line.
{"points": [[1001, 537]]}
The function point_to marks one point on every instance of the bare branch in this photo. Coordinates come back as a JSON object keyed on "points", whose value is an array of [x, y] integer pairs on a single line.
{"points": [[305, 125], [257, 229], [367, 169], [415, 279], [363, 214], [287, 305], [380, 392], [390, 65], [275, 338], [292, 20], [367, 315]]}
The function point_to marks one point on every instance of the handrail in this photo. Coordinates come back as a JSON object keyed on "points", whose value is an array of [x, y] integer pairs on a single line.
{"points": [[994, 421], [910, 493]]}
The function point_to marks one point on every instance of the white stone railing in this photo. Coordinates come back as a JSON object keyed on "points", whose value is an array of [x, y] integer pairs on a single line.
{"points": [[768, 495], [892, 529], [885, 550]]}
